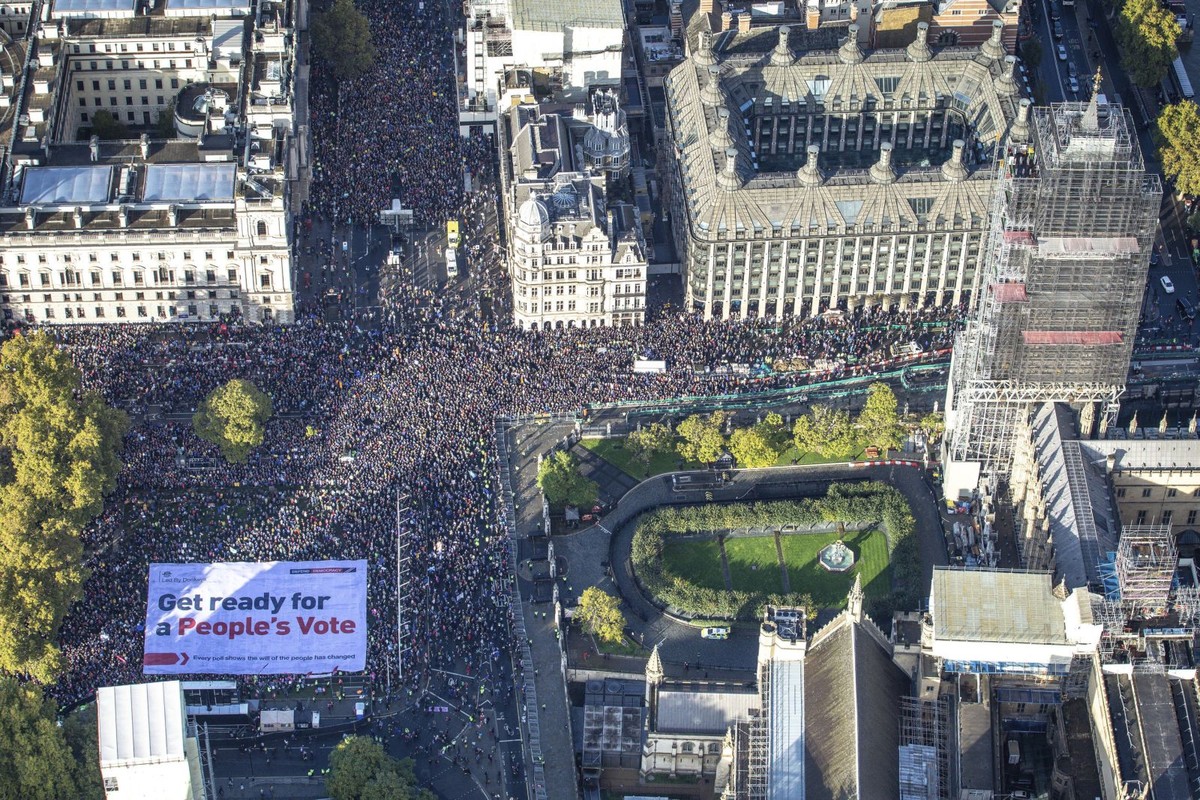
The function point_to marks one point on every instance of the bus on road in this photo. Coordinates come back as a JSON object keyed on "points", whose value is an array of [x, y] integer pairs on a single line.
{"points": [[452, 242]]}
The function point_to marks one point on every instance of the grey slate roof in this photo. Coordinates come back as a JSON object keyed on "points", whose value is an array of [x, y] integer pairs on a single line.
{"points": [[852, 692], [540, 15]]}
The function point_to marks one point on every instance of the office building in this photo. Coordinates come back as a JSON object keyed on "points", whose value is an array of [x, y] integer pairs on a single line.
{"points": [[149, 174], [805, 179]]}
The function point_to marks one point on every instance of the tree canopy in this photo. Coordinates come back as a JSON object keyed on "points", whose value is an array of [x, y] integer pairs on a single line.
{"points": [[560, 480], [108, 127], [232, 417], [1177, 132], [826, 431], [600, 614], [753, 447], [342, 37], [701, 436], [644, 444], [1147, 32], [37, 763], [360, 769], [59, 452], [879, 421]]}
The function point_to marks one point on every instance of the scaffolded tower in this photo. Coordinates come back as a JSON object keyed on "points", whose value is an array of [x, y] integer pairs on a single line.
{"points": [[1146, 562], [1073, 224]]}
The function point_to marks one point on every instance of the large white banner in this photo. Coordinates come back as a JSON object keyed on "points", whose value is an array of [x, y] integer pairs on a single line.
{"points": [[256, 618]]}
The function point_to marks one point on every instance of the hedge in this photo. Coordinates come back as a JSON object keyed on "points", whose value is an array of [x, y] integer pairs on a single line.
{"points": [[866, 501]]}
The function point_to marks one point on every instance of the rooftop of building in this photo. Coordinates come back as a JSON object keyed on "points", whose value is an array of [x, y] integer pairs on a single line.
{"points": [[141, 723], [1083, 523], [1134, 454], [538, 15], [714, 97], [981, 605], [702, 712]]}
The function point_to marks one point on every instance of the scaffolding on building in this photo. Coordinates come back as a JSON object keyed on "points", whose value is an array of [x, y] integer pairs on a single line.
{"points": [[1113, 615], [1146, 562], [758, 755], [1062, 279], [924, 749], [1186, 604]]}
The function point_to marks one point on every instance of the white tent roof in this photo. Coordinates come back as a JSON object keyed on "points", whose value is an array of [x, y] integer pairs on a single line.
{"points": [[66, 185], [141, 723], [189, 182]]}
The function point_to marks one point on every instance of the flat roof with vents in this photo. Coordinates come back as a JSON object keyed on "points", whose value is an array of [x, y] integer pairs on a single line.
{"points": [[54, 185], [189, 182]]}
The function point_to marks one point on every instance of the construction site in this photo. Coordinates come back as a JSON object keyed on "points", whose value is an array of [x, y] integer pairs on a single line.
{"points": [[1072, 227]]}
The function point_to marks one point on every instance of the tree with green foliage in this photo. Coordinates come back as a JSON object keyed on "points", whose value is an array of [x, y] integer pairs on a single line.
{"points": [[1177, 132], [825, 430], [232, 417], [108, 127], [600, 615], [701, 436], [934, 425], [360, 769], [37, 763], [1031, 53], [80, 731], [753, 447], [560, 480], [650, 441], [879, 421], [59, 450], [1147, 32], [342, 37]]}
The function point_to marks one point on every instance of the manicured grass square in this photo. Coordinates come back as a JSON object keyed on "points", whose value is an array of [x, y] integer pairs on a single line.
{"points": [[754, 564], [613, 451], [829, 589], [698, 561], [793, 456]]}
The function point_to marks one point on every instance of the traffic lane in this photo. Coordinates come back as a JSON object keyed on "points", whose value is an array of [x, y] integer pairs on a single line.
{"points": [[1165, 320], [1055, 72]]}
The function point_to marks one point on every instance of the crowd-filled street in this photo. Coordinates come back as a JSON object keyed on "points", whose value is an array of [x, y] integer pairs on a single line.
{"points": [[401, 408]]}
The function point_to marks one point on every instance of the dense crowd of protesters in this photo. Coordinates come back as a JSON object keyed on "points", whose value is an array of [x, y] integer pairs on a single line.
{"points": [[405, 407]]}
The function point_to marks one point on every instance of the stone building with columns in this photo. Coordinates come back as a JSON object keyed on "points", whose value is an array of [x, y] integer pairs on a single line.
{"points": [[804, 180]]}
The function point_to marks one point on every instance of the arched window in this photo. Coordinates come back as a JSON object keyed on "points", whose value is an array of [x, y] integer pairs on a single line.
{"points": [[688, 747], [262, 228]]}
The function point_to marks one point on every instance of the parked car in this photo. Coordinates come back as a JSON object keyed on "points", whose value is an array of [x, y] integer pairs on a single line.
{"points": [[714, 633], [1073, 85], [1062, 52], [1167, 285], [1058, 29]]}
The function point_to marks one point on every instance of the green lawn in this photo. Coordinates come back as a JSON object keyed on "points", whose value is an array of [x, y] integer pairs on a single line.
{"points": [[699, 560], [613, 451], [754, 564], [793, 456], [829, 589]]}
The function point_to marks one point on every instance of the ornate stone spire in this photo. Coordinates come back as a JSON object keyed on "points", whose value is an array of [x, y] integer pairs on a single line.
{"points": [[1091, 115], [854, 602], [654, 668]]}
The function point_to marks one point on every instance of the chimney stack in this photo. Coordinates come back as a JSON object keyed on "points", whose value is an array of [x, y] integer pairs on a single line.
{"points": [[123, 216], [1006, 83], [729, 179], [882, 171], [1020, 127], [918, 49], [781, 56], [173, 215], [993, 48], [954, 169], [704, 55], [78, 216], [810, 173], [849, 52], [30, 217]]}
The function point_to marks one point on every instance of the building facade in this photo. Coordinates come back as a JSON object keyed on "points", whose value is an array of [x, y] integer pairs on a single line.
{"points": [[805, 180], [575, 260], [177, 208]]}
